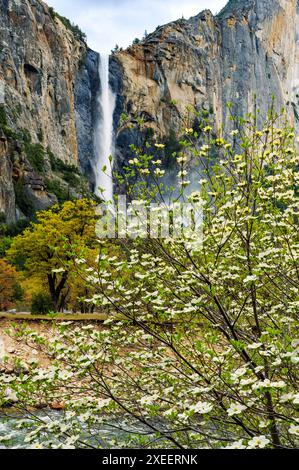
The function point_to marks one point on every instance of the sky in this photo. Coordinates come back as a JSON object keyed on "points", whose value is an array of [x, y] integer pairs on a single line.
{"points": [[111, 22]]}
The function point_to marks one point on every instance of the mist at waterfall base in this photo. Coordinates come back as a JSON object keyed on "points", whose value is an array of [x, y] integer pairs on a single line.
{"points": [[104, 134]]}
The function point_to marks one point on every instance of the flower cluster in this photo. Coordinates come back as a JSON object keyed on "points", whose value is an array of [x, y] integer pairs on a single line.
{"points": [[199, 348]]}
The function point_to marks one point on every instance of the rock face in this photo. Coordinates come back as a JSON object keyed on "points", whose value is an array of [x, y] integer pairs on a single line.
{"points": [[49, 77], [87, 86], [39, 62], [7, 193], [50, 81], [249, 49]]}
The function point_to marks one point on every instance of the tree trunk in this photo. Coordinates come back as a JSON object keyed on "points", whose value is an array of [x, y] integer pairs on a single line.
{"points": [[56, 290]]}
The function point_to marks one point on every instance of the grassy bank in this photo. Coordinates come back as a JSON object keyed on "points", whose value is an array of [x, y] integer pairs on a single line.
{"points": [[99, 317]]}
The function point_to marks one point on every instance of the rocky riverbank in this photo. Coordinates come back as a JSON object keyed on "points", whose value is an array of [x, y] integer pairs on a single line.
{"points": [[14, 350]]}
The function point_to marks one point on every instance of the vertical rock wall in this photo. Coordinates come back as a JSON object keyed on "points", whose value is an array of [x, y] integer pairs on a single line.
{"points": [[50, 79], [250, 49]]}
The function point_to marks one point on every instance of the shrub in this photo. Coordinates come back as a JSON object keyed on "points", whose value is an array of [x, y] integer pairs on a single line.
{"points": [[41, 304], [23, 200], [3, 118], [12, 230], [68, 172], [55, 187], [77, 32], [24, 136], [172, 146], [4, 127], [5, 243], [36, 156]]}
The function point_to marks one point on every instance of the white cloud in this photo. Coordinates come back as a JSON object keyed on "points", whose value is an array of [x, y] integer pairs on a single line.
{"points": [[110, 22]]}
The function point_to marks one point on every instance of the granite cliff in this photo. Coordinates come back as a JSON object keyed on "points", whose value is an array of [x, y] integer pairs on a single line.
{"points": [[50, 80], [250, 48]]}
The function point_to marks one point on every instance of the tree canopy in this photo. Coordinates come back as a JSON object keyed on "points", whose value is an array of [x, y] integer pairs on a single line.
{"points": [[9, 285], [50, 245]]}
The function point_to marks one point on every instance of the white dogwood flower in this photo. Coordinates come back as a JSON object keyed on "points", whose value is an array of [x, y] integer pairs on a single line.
{"points": [[236, 445], [202, 407], [235, 409], [294, 429], [258, 442]]}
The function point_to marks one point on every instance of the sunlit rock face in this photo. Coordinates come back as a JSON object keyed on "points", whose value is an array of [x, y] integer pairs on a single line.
{"points": [[250, 48]]}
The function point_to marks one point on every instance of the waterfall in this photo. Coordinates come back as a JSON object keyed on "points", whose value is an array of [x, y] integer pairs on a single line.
{"points": [[103, 139]]}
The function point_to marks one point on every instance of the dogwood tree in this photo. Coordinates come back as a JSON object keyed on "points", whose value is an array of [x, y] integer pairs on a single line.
{"points": [[201, 351]]}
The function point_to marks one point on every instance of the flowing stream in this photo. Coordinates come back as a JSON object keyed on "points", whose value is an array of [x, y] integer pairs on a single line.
{"points": [[103, 139], [12, 437]]}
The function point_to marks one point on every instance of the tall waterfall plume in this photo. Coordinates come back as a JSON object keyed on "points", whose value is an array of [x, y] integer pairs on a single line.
{"points": [[104, 138]]}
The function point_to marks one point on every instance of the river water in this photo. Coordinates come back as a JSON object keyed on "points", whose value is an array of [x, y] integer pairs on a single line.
{"points": [[13, 438], [103, 436]]}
